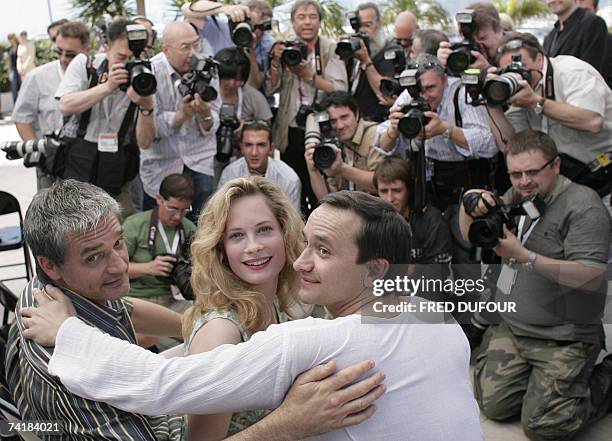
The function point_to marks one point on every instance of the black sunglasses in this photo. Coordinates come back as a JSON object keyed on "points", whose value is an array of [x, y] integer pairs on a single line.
{"points": [[68, 54]]}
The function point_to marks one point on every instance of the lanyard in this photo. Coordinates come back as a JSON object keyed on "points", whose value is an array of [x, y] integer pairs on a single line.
{"points": [[169, 249], [524, 236]]}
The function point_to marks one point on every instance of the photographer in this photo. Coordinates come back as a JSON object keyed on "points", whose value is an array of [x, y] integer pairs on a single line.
{"points": [[484, 30], [404, 30], [566, 98], [319, 70], [179, 135], [104, 152], [371, 65], [260, 12], [36, 112], [355, 159], [540, 360], [427, 41], [458, 139], [155, 238]]}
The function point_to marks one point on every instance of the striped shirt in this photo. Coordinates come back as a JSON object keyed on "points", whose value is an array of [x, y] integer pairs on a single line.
{"points": [[476, 130], [175, 147], [41, 396]]}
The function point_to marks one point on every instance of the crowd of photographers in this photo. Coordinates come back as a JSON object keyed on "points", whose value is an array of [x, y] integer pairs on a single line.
{"points": [[416, 119]]}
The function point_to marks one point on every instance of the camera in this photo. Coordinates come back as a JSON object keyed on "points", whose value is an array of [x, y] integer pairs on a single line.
{"points": [[473, 82], [486, 231], [203, 70], [303, 112], [141, 76], [242, 32], [295, 51], [181, 271], [19, 149], [347, 46], [402, 80], [319, 132], [228, 123], [461, 57], [414, 120], [498, 90]]}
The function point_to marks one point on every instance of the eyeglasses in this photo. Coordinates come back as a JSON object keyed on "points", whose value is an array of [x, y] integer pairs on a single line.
{"points": [[173, 210], [68, 54], [530, 173], [185, 47], [252, 122], [408, 40]]}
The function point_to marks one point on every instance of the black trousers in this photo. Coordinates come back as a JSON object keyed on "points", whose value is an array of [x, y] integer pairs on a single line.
{"points": [[294, 157]]}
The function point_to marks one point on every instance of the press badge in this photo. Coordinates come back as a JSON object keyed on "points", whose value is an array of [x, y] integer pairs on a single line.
{"points": [[506, 279], [108, 143]]}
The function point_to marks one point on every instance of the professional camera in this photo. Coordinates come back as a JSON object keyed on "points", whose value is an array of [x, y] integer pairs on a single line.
{"points": [[401, 66], [228, 123], [141, 76], [295, 51], [320, 133], [242, 32], [473, 82], [180, 276], [203, 70], [347, 46], [486, 231], [414, 120], [303, 112], [461, 57], [498, 90], [19, 149]]}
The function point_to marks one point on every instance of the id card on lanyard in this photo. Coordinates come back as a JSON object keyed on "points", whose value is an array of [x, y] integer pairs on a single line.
{"points": [[507, 276]]}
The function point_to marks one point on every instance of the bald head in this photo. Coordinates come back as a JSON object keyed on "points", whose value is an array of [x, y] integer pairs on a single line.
{"points": [[181, 41], [405, 27], [178, 30]]}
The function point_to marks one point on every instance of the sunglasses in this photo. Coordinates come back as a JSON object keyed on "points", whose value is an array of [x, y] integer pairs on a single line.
{"points": [[68, 54], [408, 40]]}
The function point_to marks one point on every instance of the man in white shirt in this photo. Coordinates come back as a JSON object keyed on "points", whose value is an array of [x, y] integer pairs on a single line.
{"points": [[256, 147], [36, 113], [351, 243]]}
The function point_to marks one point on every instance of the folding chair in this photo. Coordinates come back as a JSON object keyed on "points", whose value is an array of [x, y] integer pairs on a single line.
{"points": [[11, 238], [8, 301]]}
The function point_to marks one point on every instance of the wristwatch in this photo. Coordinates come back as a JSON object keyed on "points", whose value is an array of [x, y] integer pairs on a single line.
{"points": [[539, 107], [311, 81], [364, 67], [448, 132], [531, 258], [145, 111]]}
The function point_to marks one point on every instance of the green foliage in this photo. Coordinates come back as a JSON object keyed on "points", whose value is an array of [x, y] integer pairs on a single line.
{"points": [[520, 10], [44, 52], [91, 10], [429, 13], [334, 18], [5, 84]]}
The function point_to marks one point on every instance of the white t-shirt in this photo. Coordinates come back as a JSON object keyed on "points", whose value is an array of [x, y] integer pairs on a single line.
{"points": [[429, 395]]}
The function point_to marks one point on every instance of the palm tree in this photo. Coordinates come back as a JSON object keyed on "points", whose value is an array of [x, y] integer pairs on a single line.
{"points": [[427, 12], [91, 10], [520, 10], [335, 17]]}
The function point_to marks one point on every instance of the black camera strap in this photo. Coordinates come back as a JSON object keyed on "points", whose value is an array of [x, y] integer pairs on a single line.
{"points": [[93, 76], [153, 230], [319, 71], [458, 118], [549, 85]]}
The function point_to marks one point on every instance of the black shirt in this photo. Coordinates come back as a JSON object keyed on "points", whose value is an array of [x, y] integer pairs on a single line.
{"points": [[584, 35], [369, 106]]}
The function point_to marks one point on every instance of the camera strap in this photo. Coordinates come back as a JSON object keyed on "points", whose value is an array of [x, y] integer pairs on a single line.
{"points": [[549, 85], [93, 75], [523, 236], [458, 118], [156, 226]]}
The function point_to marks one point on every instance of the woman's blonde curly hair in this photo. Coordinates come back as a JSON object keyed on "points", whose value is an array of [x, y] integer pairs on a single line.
{"points": [[215, 285]]}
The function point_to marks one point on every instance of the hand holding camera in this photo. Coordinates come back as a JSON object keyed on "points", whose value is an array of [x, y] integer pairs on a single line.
{"points": [[436, 126], [116, 76], [162, 265]]}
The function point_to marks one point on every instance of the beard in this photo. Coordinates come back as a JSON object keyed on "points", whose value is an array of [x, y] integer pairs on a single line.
{"points": [[377, 42]]}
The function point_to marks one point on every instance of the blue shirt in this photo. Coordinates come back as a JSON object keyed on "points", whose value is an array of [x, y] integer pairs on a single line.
{"points": [[217, 34], [263, 48]]}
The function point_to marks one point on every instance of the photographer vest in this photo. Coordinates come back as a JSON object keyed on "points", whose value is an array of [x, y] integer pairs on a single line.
{"points": [[280, 130], [87, 161]]}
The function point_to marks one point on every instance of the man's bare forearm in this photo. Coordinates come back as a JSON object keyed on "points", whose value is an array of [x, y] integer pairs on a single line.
{"points": [[26, 131], [78, 102]]}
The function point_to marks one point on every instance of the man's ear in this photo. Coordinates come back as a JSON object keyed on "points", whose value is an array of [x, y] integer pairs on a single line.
{"points": [[376, 269], [159, 199], [50, 268]]}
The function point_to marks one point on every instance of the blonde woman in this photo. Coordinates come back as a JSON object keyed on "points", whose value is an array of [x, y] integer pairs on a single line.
{"points": [[248, 237]]}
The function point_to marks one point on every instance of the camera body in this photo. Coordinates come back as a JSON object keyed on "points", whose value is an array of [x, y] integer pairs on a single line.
{"points": [[320, 132], [181, 271], [294, 53], [203, 70], [242, 32], [498, 91], [346, 47], [228, 123], [414, 120], [303, 112], [405, 74], [486, 231], [141, 76], [461, 57], [473, 83]]}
